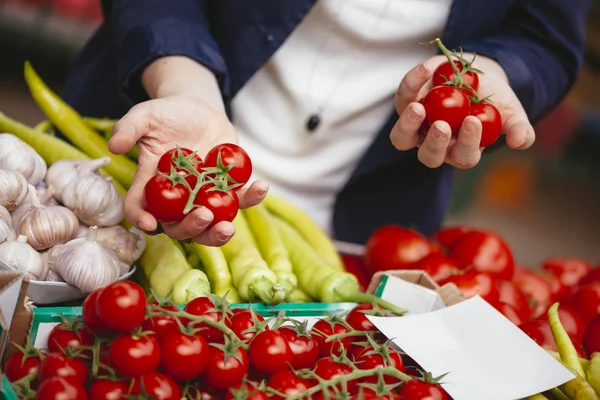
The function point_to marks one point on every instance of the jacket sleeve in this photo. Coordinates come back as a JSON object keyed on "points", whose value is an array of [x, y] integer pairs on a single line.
{"points": [[143, 31], [540, 45]]}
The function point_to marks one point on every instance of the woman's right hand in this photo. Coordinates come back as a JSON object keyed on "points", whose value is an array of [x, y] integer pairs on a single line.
{"points": [[159, 125]]}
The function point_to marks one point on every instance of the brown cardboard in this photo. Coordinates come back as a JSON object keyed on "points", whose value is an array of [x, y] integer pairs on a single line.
{"points": [[22, 321]]}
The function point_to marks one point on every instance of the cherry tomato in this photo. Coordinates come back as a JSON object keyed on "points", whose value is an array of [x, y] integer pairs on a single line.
{"points": [[161, 325], [270, 352], [509, 312], [121, 306], [90, 316], [19, 365], [247, 391], [558, 289], [356, 266], [586, 301], [472, 283], [73, 370], [164, 200], [157, 386], [491, 122], [367, 359], [304, 348], [106, 389], [59, 388], [445, 103], [570, 271], [416, 389], [438, 266], [447, 236], [445, 73], [64, 336], [133, 356], [223, 373], [539, 331], [203, 306], [231, 154], [393, 247], [287, 383], [591, 338], [570, 320], [242, 322], [486, 252], [328, 369], [324, 328], [223, 205], [173, 158], [535, 287], [511, 294], [184, 357], [357, 317], [593, 276], [369, 394]]}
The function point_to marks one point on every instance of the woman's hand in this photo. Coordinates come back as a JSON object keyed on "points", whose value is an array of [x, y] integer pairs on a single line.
{"points": [[438, 146]]}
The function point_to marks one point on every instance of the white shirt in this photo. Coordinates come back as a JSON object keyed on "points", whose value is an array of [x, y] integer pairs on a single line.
{"points": [[348, 57]]}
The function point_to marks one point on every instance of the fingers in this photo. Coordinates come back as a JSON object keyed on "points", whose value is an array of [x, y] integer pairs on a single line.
{"points": [[253, 195], [466, 152], [193, 225], [404, 135], [216, 236], [520, 135], [411, 85], [433, 151], [129, 129], [133, 207]]}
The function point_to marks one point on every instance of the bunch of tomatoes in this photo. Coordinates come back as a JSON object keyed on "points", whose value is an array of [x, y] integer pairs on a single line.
{"points": [[454, 97], [481, 263], [184, 181], [125, 348]]}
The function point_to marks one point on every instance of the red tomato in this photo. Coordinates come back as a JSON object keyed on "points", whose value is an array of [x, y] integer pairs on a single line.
{"points": [[586, 301], [437, 266], [73, 370], [160, 325], [445, 73], [304, 348], [570, 271], [357, 317], [133, 356], [105, 389], [242, 322], [90, 316], [369, 359], [59, 388], [486, 252], [416, 389], [393, 247], [591, 338], [64, 336], [539, 331], [157, 386], [356, 266], [570, 320], [447, 236], [164, 200], [19, 365], [287, 383], [511, 294], [472, 283], [179, 159], [593, 276], [184, 357], [328, 369], [121, 306], [203, 306], [491, 122], [231, 155], [223, 205], [445, 103], [223, 373], [535, 287], [247, 391], [324, 328], [369, 394], [558, 289], [509, 312], [270, 352]]}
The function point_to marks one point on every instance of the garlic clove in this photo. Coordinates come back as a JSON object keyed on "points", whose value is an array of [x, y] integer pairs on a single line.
{"points": [[19, 256], [53, 277], [13, 189], [16, 155], [5, 231], [45, 197], [51, 254], [64, 171], [128, 245]]}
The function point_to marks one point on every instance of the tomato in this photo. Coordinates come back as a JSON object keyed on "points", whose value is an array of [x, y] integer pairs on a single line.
{"points": [[224, 372], [231, 155], [591, 338], [156, 386], [535, 287], [539, 331], [164, 200], [570, 271], [223, 205], [509, 312], [304, 348], [73, 370], [416, 389], [593, 276], [287, 383], [511, 294], [445, 103], [121, 306], [393, 247], [437, 266], [20, 364], [472, 283], [184, 357], [491, 122], [160, 325], [90, 316], [247, 391], [570, 320], [484, 251], [586, 301], [203, 306], [270, 352], [325, 328], [175, 158], [447, 236], [558, 289], [357, 317], [444, 73], [242, 322], [132, 356], [56, 388], [105, 389], [369, 394], [70, 335], [356, 266], [369, 359], [328, 369]]}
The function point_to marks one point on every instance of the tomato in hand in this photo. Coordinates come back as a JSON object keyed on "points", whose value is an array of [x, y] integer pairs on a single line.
{"points": [[591, 337], [486, 252], [586, 301], [491, 122], [225, 371], [416, 389], [133, 356], [59, 388], [106, 389], [270, 352], [223, 205], [304, 348], [509, 293], [165, 200], [288, 384], [184, 357], [509, 312], [368, 358], [177, 159], [157, 386], [447, 236], [64, 336], [445, 103], [231, 155], [570, 271], [438, 266], [90, 316], [20, 364], [393, 247], [204, 307], [445, 73], [242, 322], [472, 283], [535, 287], [121, 306], [325, 328], [73, 370]]}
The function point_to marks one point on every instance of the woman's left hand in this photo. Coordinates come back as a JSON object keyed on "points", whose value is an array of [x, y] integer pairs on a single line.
{"points": [[438, 146]]}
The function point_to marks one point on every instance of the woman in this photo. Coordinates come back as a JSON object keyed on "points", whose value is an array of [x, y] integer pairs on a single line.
{"points": [[314, 90]]}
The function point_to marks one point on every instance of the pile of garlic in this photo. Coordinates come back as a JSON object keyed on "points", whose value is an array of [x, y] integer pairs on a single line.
{"points": [[60, 223]]}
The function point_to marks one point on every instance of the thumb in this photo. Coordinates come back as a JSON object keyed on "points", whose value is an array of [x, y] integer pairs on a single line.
{"points": [[131, 128]]}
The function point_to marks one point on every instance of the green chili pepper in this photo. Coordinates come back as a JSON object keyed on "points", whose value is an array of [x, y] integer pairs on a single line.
{"points": [[191, 284], [298, 296], [558, 394], [566, 349], [538, 396], [578, 388], [593, 372]]}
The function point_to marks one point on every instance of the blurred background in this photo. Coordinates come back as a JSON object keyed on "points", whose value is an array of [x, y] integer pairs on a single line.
{"points": [[545, 201]]}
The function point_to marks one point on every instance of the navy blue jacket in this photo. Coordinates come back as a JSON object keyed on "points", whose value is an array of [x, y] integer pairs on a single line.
{"points": [[539, 43]]}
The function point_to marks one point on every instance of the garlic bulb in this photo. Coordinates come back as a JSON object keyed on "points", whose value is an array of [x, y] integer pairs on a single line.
{"points": [[87, 264], [94, 200], [45, 197], [53, 277], [82, 231], [64, 171], [21, 257], [5, 224], [13, 189], [47, 226], [51, 255], [16, 155], [128, 245]]}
